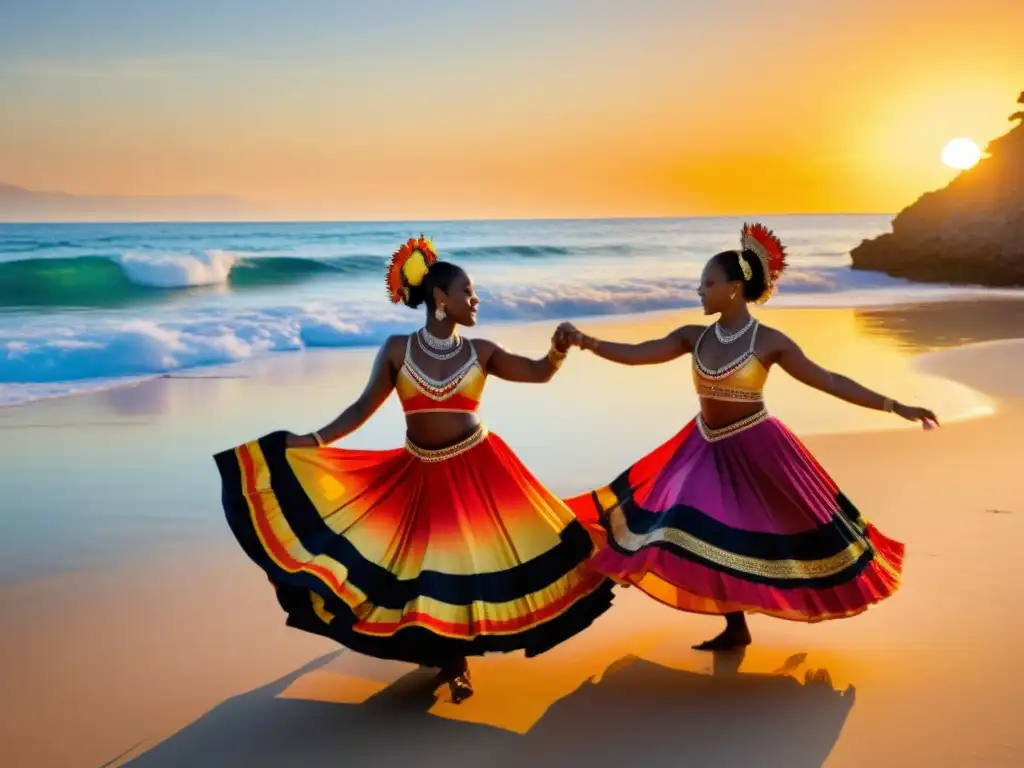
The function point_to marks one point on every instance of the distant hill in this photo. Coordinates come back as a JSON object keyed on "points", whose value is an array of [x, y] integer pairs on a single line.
{"points": [[25, 205]]}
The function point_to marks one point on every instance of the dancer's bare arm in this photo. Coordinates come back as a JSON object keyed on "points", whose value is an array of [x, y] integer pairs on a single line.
{"points": [[378, 388], [674, 345], [779, 349], [498, 361]]}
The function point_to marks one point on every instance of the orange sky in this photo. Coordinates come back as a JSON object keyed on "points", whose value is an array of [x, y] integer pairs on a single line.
{"points": [[560, 109]]}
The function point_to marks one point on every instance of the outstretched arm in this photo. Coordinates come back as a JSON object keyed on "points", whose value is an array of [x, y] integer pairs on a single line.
{"points": [[506, 365], [675, 344], [788, 355], [382, 381]]}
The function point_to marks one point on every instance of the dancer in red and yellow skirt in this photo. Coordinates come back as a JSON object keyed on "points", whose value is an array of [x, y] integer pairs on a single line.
{"points": [[733, 515], [445, 548]]}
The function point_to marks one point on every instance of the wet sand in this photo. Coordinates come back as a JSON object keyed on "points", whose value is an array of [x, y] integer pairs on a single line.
{"points": [[134, 631]]}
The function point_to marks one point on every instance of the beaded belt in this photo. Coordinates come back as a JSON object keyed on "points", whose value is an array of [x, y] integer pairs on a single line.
{"points": [[712, 435], [716, 392], [432, 456]]}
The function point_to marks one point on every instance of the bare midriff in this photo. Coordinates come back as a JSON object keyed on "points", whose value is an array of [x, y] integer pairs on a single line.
{"points": [[730, 387], [440, 398]]}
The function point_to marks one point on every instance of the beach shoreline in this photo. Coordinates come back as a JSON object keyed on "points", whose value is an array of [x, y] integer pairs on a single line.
{"points": [[167, 648], [993, 304]]}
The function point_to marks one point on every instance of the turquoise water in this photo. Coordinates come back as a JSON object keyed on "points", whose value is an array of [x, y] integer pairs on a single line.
{"points": [[89, 306]]}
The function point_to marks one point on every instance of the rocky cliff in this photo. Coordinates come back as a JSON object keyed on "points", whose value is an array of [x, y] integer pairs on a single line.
{"points": [[970, 232]]}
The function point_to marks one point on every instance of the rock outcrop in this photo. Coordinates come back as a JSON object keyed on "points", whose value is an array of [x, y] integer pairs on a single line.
{"points": [[971, 232]]}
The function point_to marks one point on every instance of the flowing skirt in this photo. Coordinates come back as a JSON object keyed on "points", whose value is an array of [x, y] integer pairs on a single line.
{"points": [[414, 555], [740, 518]]}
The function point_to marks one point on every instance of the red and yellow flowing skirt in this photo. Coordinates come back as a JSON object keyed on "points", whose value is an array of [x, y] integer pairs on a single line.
{"points": [[740, 518], [415, 555]]}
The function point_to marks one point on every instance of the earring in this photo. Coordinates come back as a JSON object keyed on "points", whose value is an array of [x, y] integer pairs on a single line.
{"points": [[440, 314], [732, 295]]}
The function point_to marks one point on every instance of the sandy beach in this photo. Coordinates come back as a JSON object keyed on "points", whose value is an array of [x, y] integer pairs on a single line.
{"points": [[136, 633]]}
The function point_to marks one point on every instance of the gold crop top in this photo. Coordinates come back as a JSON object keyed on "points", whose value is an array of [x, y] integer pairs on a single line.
{"points": [[459, 393], [742, 380]]}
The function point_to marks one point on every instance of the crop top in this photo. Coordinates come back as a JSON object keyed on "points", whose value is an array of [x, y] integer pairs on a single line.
{"points": [[742, 380], [459, 393]]}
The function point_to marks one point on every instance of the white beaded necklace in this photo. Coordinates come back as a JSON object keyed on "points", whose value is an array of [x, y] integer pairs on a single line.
{"points": [[436, 348], [729, 338]]}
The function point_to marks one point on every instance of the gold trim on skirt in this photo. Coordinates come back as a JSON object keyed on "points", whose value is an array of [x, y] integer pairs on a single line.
{"points": [[432, 456], [712, 434]]}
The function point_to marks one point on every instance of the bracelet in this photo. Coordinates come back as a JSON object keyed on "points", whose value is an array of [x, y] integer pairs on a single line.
{"points": [[590, 343], [319, 440], [555, 357], [888, 404]]}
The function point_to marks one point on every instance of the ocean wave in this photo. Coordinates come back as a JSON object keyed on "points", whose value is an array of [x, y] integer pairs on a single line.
{"points": [[63, 354], [31, 245], [534, 251], [99, 281], [112, 348], [100, 306], [144, 347], [118, 346], [110, 280]]}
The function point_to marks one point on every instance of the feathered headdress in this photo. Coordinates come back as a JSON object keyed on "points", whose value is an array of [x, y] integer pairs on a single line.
{"points": [[408, 267], [769, 250]]}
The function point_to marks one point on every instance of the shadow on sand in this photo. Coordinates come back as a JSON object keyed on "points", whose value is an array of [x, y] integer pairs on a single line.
{"points": [[640, 713]]}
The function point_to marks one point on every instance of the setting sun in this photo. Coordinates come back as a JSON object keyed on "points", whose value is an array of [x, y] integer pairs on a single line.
{"points": [[961, 154]]}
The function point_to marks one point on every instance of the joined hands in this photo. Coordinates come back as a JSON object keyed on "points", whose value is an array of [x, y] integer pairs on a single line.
{"points": [[568, 335]]}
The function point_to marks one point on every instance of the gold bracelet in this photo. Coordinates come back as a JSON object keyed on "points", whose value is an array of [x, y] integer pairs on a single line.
{"points": [[319, 440], [555, 357]]}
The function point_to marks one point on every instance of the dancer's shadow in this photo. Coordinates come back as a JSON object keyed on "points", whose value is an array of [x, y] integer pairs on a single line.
{"points": [[639, 713], [646, 714], [259, 730]]}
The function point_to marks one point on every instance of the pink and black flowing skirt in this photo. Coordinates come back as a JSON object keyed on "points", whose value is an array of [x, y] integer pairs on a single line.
{"points": [[741, 518]]}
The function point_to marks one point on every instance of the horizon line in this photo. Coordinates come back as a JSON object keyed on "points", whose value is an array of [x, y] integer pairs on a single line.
{"points": [[456, 220]]}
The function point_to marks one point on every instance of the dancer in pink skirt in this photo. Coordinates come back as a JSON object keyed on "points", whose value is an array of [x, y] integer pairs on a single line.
{"points": [[733, 515]]}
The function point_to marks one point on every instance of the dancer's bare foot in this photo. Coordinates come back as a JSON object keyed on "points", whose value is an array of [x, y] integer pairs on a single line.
{"points": [[735, 636]]}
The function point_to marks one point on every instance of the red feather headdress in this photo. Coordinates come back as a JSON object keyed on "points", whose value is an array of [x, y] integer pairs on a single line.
{"points": [[770, 252], [408, 267]]}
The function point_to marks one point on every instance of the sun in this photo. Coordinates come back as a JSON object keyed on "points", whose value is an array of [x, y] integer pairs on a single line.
{"points": [[961, 154]]}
